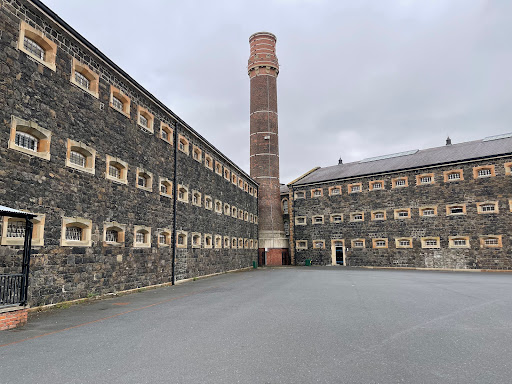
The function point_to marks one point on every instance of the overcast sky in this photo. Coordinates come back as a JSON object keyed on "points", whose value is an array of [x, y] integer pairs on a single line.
{"points": [[358, 78]]}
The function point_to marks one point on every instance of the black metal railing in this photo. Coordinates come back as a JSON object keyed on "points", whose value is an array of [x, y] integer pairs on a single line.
{"points": [[12, 289]]}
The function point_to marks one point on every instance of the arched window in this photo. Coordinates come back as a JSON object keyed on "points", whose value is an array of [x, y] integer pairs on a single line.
{"points": [[80, 156], [142, 236], [76, 232], [117, 170], [37, 45]]}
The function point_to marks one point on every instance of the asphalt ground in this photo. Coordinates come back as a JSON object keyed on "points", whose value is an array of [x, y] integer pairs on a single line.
{"points": [[282, 325]]}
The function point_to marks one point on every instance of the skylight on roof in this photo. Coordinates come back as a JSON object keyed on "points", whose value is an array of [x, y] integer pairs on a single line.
{"points": [[399, 154], [497, 137]]}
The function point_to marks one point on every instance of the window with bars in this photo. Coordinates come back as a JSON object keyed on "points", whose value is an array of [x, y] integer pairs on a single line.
{"points": [[457, 210], [404, 243], [358, 244], [335, 191], [142, 181], [140, 237], [400, 183], [218, 241], [378, 216], [355, 188], [114, 171], [16, 229], [163, 188], [182, 193], [74, 233], [403, 214], [454, 176], [337, 219], [377, 186], [318, 244], [34, 48], [431, 243], [111, 236], [77, 158], [484, 172], [318, 219], [488, 208], [357, 217], [380, 243], [162, 238], [460, 242], [143, 121], [165, 135], [491, 241], [26, 141], [208, 203], [81, 80], [226, 209], [428, 212], [195, 198], [317, 192], [182, 239], [300, 195], [226, 242], [300, 220], [117, 104], [426, 180]]}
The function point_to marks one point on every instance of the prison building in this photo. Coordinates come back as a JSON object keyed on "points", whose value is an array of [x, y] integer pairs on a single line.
{"points": [[445, 207], [126, 194]]}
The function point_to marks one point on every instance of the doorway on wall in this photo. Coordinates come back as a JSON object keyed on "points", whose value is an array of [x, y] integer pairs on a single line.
{"points": [[338, 252], [261, 257]]}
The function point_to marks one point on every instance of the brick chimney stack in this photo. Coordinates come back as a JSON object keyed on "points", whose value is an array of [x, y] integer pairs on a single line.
{"points": [[263, 69]]}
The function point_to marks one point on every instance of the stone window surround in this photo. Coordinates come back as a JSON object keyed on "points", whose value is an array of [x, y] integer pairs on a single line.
{"points": [[297, 218], [450, 206], [168, 184], [83, 223], [43, 135], [183, 141], [121, 165], [301, 244], [399, 239], [374, 243], [451, 242], [206, 198], [141, 172], [147, 236], [353, 241], [198, 196], [185, 191], [197, 152], [373, 182], [419, 177], [206, 237], [424, 208], [476, 169], [85, 150], [352, 214], [334, 187], [510, 205], [218, 168], [315, 242], [37, 231], [395, 179], [373, 213], [353, 185], [89, 74], [115, 92], [479, 207], [168, 236], [300, 195], [321, 190], [218, 203], [498, 237], [50, 48], [227, 209], [121, 231], [425, 239], [218, 242], [207, 158], [227, 174], [195, 236], [314, 217], [226, 242], [336, 214], [398, 210], [508, 168], [167, 129], [141, 111], [446, 175], [183, 234]]}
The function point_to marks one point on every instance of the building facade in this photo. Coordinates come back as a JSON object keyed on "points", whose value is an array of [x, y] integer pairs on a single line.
{"points": [[126, 194], [445, 207]]}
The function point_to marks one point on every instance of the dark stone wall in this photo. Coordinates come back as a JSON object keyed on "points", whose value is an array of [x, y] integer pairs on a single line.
{"points": [[31, 91], [469, 191]]}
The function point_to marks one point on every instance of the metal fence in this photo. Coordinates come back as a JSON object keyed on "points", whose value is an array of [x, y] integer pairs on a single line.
{"points": [[12, 289]]}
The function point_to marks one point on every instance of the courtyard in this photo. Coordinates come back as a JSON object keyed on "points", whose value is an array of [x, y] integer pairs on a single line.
{"points": [[278, 325]]}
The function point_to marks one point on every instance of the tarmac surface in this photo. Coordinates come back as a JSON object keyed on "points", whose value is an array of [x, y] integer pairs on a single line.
{"points": [[278, 325]]}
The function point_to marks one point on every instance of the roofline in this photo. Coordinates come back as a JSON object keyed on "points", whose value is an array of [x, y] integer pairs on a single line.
{"points": [[471, 160], [65, 26], [302, 176]]}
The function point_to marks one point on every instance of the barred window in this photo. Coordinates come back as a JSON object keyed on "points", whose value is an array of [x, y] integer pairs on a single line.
{"points": [[140, 237], [403, 214], [165, 135], [378, 215], [16, 228], [81, 80], [358, 244], [163, 188], [357, 217], [142, 181], [26, 140], [162, 238], [431, 243], [336, 219], [456, 210], [377, 185], [426, 180], [182, 145], [319, 244], [484, 172], [491, 241], [317, 192], [218, 242], [208, 203], [335, 191], [111, 236], [226, 242], [181, 239], [143, 121], [77, 158], [380, 243], [114, 171], [400, 183], [34, 48], [73, 233], [117, 104], [404, 243], [356, 188], [195, 198], [460, 242], [454, 176], [428, 212]]}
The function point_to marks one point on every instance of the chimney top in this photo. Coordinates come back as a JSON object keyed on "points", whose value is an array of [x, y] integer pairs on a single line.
{"points": [[448, 141], [340, 161]]}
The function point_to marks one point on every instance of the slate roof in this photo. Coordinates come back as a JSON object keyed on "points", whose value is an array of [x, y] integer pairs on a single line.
{"points": [[11, 212], [488, 147], [284, 189]]}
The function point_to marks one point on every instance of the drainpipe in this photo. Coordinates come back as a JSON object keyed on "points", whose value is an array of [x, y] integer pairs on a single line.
{"points": [[174, 203], [291, 225]]}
